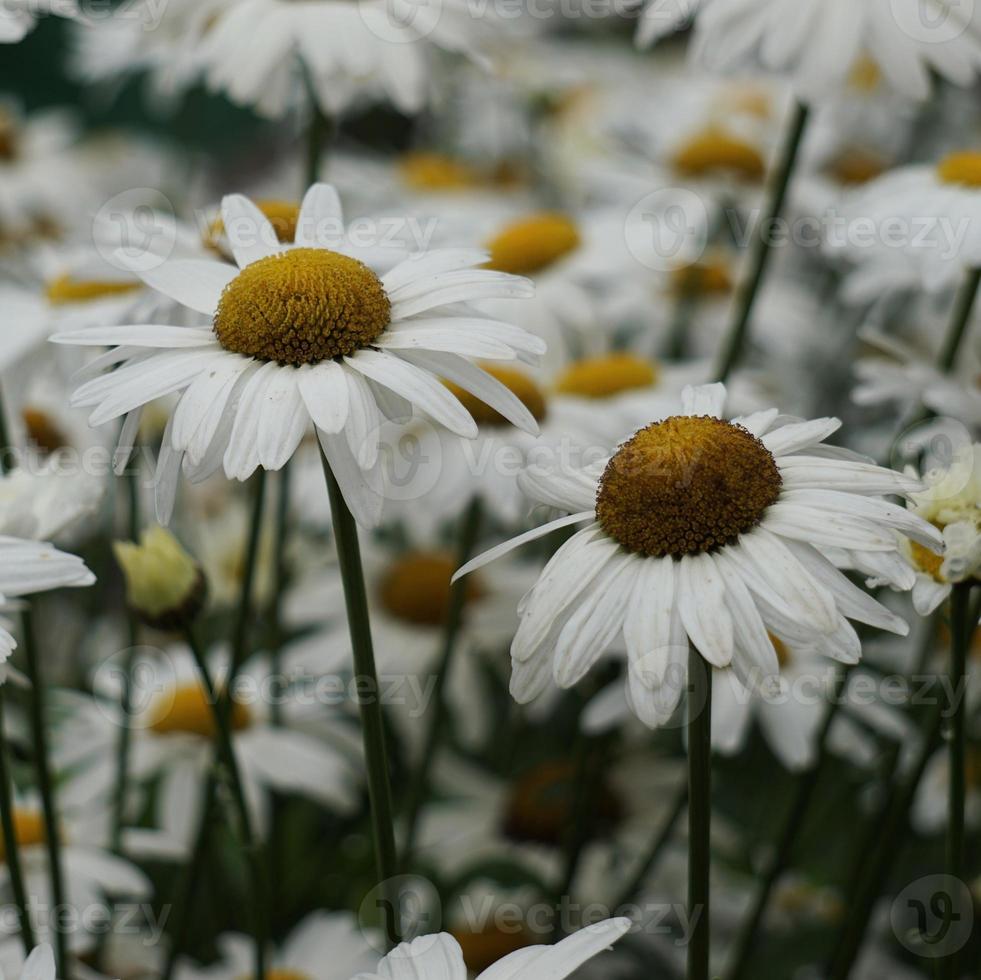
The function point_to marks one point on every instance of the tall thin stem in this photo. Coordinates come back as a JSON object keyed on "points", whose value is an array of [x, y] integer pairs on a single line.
{"points": [[52, 830], [225, 750], [960, 319], [372, 720], [739, 329], [11, 847], [469, 531], [806, 785], [960, 639], [699, 813]]}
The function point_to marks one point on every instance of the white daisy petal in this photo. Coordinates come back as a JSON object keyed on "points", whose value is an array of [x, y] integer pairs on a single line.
{"points": [[325, 393], [321, 217], [703, 400], [250, 235], [703, 609], [793, 438], [194, 283], [283, 421]]}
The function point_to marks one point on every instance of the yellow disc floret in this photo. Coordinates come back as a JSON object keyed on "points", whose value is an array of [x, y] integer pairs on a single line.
{"points": [[707, 277], [282, 215], [187, 709], [962, 168], [67, 289], [686, 486], [517, 381], [606, 375], [301, 307], [533, 243], [715, 151], [436, 172], [416, 588], [29, 829]]}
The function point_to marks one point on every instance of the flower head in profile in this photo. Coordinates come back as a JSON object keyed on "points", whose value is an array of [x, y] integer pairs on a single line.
{"points": [[820, 43], [306, 333], [712, 533]]}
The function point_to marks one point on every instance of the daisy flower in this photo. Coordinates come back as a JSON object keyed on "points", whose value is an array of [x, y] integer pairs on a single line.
{"points": [[952, 504], [938, 205], [305, 334], [707, 532], [174, 735], [255, 50], [324, 946], [440, 956], [93, 873], [819, 43], [19, 17]]}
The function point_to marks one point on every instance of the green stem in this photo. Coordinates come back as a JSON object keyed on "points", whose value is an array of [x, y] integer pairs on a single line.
{"points": [[807, 783], [318, 135], [372, 720], [699, 813], [469, 531], [659, 844], [740, 327], [11, 846], [52, 829], [961, 629], [890, 844], [132, 480], [225, 750], [960, 319], [187, 886]]}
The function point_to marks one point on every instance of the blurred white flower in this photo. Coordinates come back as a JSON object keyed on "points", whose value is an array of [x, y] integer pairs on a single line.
{"points": [[19, 17]]}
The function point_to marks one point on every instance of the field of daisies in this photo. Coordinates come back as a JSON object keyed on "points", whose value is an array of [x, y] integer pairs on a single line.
{"points": [[490, 488]]}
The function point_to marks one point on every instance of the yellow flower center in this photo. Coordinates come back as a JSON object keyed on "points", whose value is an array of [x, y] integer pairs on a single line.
{"points": [[784, 657], [606, 376], [517, 381], [28, 830], [961, 168], [436, 172], [9, 141], [282, 215], [42, 432], [926, 561], [533, 244], [686, 486], [716, 151], [542, 803], [301, 307], [857, 167], [188, 709], [417, 588], [484, 946], [751, 100], [866, 75], [710, 277], [66, 289]]}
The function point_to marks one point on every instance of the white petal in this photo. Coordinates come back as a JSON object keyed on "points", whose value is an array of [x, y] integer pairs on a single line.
{"points": [[801, 435], [195, 283], [703, 400], [283, 421], [325, 392], [321, 217], [701, 600], [248, 230]]}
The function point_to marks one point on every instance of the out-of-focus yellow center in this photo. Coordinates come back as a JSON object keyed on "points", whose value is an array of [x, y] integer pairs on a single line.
{"points": [[606, 376], [534, 243], [866, 75], [750, 100], [714, 151], [707, 277], [301, 307], [963, 169], [436, 172], [542, 804], [926, 561], [482, 947], [416, 588], [517, 381], [187, 709], [857, 167], [28, 829], [42, 431], [9, 140], [282, 215], [685, 486], [66, 289]]}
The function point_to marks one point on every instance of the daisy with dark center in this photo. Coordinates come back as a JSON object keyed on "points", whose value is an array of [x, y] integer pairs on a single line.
{"points": [[302, 335]]}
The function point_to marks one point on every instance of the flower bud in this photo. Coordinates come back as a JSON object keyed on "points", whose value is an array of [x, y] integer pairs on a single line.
{"points": [[165, 586]]}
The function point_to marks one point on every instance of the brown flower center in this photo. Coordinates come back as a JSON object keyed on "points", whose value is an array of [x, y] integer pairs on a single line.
{"points": [[187, 709], [517, 381], [302, 306], [533, 244], [686, 486], [416, 588], [42, 432]]}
